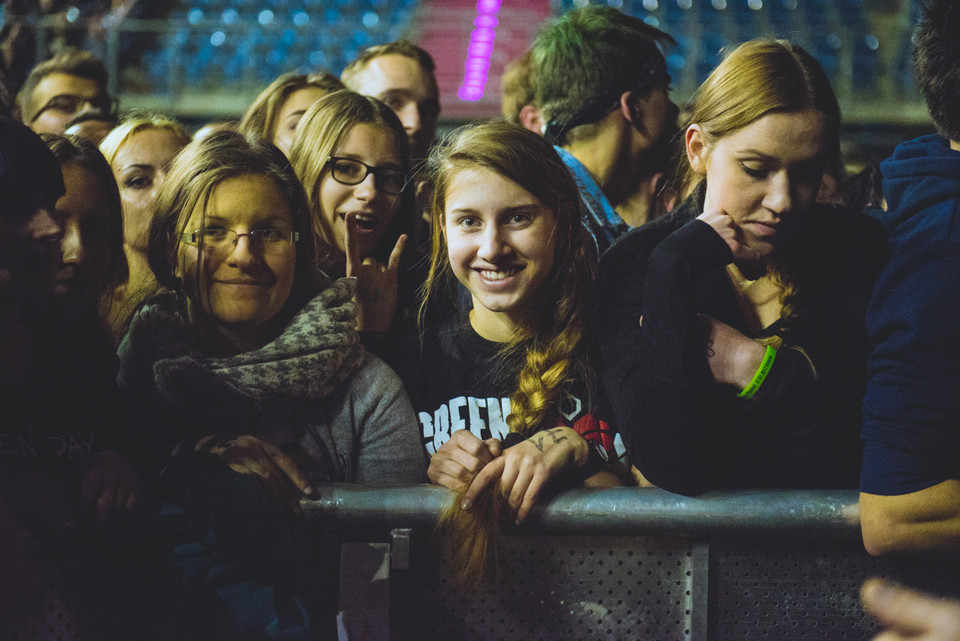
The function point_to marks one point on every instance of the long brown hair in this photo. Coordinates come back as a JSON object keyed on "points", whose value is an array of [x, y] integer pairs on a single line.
{"points": [[552, 344]]}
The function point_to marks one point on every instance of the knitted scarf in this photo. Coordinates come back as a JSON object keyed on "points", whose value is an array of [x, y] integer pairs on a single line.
{"points": [[318, 350]]}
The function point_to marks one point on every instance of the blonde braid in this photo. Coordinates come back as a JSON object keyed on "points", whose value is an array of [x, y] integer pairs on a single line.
{"points": [[540, 382]]}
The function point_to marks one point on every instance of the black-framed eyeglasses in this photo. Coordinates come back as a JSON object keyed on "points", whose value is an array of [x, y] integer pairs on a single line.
{"points": [[71, 105], [348, 171], [219, 238]]}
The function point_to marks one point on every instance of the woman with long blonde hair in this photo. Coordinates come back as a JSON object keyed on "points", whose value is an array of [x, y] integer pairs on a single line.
{"points": [[504, 391], [139, 151], [734, 344]]}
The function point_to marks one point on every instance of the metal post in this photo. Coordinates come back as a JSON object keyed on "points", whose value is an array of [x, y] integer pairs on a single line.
{"points": [[698, 619]]}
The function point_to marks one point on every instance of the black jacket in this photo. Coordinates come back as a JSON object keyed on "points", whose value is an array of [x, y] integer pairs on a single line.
{"points": [[686, 432]]}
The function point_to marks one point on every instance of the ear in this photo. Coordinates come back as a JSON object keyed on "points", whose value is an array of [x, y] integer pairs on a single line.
{"points": [[630, 108], [532, 119], [696, 149]]}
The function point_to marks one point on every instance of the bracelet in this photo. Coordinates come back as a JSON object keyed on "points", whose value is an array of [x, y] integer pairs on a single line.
{"points": [[761, 374]]}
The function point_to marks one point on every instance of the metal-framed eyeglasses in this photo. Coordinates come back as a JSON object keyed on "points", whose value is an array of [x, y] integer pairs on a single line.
{"points": [[269, 239], [71, 105], [349, 171]]}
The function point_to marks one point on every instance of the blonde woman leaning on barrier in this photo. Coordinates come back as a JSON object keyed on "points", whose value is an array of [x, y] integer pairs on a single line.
{"points": [[734, 343], [513, 372]]}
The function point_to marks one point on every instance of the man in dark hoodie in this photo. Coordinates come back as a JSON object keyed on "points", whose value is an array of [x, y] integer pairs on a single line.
{"points": [[910, 481]]}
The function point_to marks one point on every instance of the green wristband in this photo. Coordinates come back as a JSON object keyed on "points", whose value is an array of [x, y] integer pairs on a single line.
{"points": [[761, 374]]}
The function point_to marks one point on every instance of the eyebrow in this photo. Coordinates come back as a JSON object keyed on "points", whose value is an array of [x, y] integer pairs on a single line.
{"points": [[273, 219], [350, 156], [746, 153], [515, 209], [754, 152]]}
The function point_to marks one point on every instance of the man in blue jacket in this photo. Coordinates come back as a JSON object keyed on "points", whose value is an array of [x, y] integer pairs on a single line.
{"points": [[910, 480]]}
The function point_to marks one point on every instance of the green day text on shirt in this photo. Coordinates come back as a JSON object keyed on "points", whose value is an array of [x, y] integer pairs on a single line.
{"points": [[487, 418]]}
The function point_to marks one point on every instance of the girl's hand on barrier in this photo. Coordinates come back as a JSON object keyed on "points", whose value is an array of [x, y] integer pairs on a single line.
{"points": [[458, 461], [732, 235], [910, 615], [526, 467], [109, 483], [247, 454], [376, 283]]}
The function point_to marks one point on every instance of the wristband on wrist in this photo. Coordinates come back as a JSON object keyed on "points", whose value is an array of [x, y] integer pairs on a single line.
{"points": [[761, 374]]}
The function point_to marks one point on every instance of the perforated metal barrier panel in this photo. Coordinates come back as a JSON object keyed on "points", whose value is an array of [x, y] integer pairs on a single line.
{"points": [[722, 568], [790, 590], [556, 587]]}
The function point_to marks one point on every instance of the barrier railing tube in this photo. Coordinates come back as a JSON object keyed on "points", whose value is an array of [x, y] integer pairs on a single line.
{"points": [[633, 511]]}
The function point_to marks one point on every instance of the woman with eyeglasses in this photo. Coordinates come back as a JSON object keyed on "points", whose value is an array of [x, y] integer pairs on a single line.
{"points": [[254, 382], [352, 156]]}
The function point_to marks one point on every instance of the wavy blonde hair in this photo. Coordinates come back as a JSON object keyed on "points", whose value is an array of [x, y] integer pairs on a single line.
{"points": [[552, 343]]}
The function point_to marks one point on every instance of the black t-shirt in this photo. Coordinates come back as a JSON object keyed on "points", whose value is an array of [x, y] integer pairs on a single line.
{"points": [[464, 381]]}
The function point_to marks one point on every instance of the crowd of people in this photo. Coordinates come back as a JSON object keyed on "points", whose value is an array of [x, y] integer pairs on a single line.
{"points": [[199, 331]]}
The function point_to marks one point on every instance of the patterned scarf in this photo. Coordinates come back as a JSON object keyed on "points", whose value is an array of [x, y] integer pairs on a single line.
{"points": [[318, 350]]}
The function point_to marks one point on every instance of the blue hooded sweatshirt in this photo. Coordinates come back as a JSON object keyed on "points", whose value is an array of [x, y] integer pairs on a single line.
{"points": [[911, 429]]}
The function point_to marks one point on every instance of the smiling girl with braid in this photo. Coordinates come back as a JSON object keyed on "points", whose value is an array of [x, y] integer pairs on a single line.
{"points": [[503, 392]]}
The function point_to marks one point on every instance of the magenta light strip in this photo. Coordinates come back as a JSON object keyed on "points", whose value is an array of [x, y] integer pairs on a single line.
{"points": [[478, 53]]}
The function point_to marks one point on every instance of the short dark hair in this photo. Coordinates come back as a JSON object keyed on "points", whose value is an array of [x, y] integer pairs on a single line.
{"points": [[591, 54], [936, 61], [398, 47], [74, 62]]}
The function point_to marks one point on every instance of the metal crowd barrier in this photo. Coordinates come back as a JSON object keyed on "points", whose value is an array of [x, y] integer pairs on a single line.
{"points": [[622, 563]]}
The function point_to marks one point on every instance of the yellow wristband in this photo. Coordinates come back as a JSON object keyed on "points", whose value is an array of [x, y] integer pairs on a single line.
{"points": [[761, 374]]}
